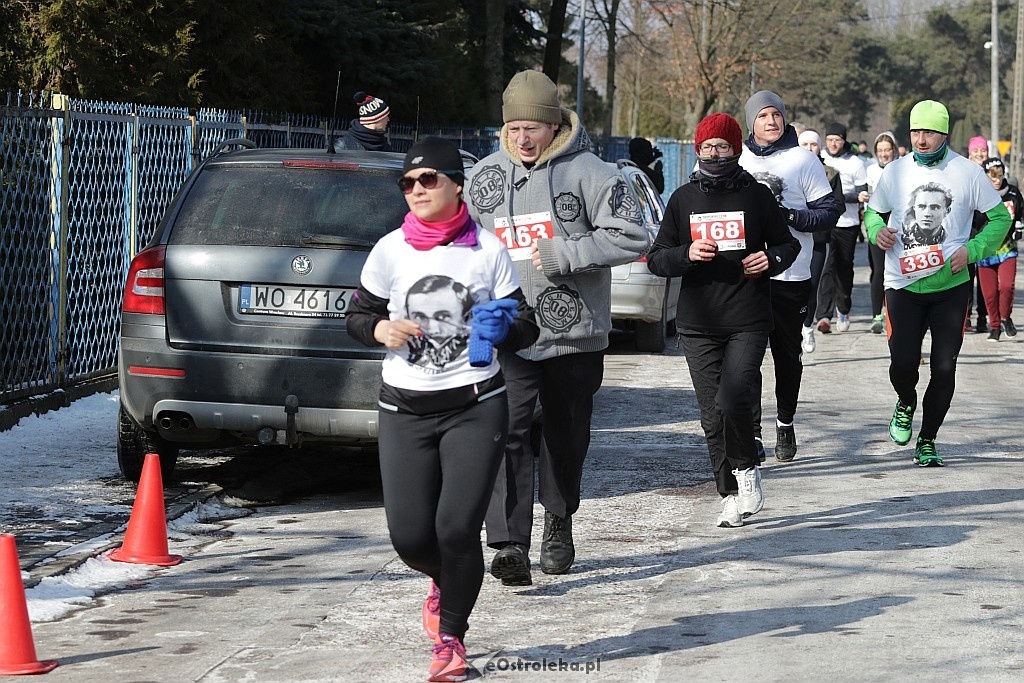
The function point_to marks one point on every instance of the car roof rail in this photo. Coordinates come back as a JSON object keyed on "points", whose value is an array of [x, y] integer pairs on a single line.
{"points": [[233, 142], [468, 159]]}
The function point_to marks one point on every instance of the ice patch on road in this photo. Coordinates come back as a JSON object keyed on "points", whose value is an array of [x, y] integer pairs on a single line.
{"points": [[56, 597]]}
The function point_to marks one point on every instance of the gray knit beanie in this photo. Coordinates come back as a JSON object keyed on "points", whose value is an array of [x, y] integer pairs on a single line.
{"points": [[531, 96], [757, 102]]}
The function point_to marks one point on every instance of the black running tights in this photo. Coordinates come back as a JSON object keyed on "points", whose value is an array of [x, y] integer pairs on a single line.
{"points": [[910, 316], [437, 473]]}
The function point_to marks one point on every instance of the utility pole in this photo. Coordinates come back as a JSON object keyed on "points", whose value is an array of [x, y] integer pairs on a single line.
{"points": [[995, 74], [579, 67], [1018, 94]]}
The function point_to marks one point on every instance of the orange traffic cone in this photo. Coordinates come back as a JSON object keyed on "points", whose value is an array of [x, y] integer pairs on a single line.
{"points": [[145, 541], [17, 651]]}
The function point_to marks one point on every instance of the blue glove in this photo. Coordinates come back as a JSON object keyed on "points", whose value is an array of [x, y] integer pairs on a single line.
{"points": [[490, 326]]}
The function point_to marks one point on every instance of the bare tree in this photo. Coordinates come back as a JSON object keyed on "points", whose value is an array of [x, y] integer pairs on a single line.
{"points": [[553, 48], [494, 56]]}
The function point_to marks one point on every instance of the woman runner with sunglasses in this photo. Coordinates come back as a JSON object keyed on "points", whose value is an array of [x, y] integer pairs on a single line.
{"points": [[440, 293]]}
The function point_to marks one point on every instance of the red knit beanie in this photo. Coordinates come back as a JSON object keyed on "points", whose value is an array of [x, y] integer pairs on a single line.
{"points": [[719, 126]]}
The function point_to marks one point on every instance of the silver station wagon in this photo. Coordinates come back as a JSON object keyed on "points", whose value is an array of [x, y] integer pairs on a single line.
{"points": [[233, 317]]}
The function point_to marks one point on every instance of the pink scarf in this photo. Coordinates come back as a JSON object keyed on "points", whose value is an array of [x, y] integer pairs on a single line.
{"points": [[459, 229]]}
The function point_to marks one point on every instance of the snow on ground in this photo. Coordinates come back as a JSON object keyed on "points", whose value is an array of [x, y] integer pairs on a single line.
{"points": [[62, 465], [57, 596], [60, 469]]}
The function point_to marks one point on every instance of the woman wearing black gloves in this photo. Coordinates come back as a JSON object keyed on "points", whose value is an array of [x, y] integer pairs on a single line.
{"points": [[439, 292], [725, 235]]}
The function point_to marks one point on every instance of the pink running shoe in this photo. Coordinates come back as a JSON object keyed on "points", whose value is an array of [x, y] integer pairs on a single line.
{"points": [[449, 660], [432, 611]]}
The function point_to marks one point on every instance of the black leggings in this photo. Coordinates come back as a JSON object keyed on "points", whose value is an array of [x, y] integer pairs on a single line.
{"points": [[438, 473], [910, 316]]}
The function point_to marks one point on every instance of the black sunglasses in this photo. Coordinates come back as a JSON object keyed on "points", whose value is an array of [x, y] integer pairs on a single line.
{"points": [[428, 180]]}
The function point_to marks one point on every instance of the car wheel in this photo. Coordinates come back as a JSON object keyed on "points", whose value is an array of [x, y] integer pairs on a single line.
{"points": [[133, 443], [651, 336]]}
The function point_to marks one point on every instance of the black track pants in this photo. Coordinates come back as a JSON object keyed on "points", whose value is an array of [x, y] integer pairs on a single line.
{"points": [[722, 369]]}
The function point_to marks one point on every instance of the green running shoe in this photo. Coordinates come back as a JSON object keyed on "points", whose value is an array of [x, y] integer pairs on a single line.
{"points": [[901, 426], [925, 455]]}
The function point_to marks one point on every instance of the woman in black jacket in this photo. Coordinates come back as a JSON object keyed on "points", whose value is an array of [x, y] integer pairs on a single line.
{"points": [[725, 236]]}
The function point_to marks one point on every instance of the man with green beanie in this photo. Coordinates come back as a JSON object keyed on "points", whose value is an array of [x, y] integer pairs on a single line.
{"points": [[920, 214], [566, 217]]}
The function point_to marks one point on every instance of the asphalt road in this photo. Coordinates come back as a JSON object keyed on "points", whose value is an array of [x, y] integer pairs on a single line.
{"points": [[861, 567]]}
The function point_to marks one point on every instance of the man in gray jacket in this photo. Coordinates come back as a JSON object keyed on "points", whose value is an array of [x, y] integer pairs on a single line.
{"points": [[566, 217]]}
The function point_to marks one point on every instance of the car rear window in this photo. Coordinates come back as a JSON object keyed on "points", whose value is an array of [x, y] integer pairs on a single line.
{"points": [[275, 206]]}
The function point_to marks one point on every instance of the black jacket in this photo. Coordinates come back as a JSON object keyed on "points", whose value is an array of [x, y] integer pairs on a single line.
{"points": [[715, 297], [359, 137]]}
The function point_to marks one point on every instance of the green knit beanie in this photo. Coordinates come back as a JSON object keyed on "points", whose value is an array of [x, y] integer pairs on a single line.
{"points": [[929, 115], [531, 96]]}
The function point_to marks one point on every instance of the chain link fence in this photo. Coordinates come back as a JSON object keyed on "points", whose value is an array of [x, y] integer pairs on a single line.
{"points": [[83, 187]]}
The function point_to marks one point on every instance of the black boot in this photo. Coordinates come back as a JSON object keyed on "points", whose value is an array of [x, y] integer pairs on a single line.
{"points": [[512, 565], [557, 551]]}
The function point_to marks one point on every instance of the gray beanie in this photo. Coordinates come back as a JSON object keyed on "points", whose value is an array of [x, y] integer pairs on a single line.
{"points": [[531, 96], [757, 102]]}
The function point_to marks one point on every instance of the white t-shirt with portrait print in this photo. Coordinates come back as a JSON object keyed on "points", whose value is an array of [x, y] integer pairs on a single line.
{"points": [[900, 182], [796, 177], [437, 288]]}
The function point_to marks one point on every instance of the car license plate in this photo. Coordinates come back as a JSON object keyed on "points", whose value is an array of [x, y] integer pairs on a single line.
{"points": [[307, 302]]}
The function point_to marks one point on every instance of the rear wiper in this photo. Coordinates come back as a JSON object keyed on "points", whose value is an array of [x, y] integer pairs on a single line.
{"points": [[337, 241]]}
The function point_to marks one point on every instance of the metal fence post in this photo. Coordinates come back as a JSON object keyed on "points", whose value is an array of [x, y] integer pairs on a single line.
{"points": [[60, 161], [133, 199]]}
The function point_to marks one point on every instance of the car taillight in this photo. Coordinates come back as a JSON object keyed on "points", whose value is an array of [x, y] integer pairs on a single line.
{"points": [[144, 291]]}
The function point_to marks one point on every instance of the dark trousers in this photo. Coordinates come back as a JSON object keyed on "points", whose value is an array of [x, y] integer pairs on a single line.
{"points": [[876, 259], [722, 369], [437, 473], [818, 258], [836, 286], [565, 386], [976, 296], [789, 306], [910, 316]]}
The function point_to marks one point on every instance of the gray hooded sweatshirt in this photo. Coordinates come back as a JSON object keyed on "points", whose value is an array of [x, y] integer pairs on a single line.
{"points": [[591, 219]]}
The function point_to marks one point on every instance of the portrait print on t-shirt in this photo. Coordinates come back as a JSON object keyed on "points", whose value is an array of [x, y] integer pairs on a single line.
{"points": [[773, 182], [928, 208], [441, 306]]}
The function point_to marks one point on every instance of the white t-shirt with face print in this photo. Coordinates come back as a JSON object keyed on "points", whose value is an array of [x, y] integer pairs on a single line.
{"points": [[931, 208], [437, 288], [797, 177]]}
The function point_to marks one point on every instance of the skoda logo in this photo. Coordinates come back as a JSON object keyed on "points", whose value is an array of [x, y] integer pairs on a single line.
{"points": [[302, 265]]}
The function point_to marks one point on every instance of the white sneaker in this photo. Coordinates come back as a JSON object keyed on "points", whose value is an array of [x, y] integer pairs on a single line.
{"points": [[730, 516], [808, 343], [750, 498], [843, 323]]}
